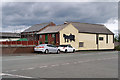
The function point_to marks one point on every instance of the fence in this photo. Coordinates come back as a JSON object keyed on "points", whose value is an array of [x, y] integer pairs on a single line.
{"points": [[19, 43]]}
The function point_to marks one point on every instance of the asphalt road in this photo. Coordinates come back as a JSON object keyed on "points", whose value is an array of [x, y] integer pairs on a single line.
{"points": [[70, 65]]}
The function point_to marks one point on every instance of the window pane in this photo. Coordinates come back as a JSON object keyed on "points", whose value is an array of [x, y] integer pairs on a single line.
{"points": [[81, 44], [49, 45], [40, 36], [63, 45], [53, 35], [100, 38]]}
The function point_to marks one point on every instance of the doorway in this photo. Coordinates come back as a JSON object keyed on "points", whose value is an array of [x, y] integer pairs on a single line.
{"points": [[46, 38]]}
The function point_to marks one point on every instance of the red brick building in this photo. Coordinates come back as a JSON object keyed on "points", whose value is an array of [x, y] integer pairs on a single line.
{"points": [[31, 33], [51, 35], [51, 38]]}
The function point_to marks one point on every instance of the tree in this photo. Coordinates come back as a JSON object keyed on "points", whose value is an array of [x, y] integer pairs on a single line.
{"points": [[117, 38]]}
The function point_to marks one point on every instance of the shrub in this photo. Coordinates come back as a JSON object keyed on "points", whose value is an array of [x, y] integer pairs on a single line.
{"points": [[117, 48]]}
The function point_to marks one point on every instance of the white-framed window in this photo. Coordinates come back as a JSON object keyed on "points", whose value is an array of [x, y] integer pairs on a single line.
{"points": [[40, 36], [53, 35]]}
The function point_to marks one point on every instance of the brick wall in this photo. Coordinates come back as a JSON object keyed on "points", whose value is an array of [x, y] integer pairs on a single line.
{"points": [[42, 39], [51, 39], [17, 50]]}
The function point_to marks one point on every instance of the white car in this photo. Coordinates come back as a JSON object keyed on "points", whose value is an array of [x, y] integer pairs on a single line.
{"points": [[66, 48], [46, 48]]}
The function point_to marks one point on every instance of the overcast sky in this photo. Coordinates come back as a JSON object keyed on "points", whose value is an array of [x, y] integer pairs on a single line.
{"points": [[20, 15]]}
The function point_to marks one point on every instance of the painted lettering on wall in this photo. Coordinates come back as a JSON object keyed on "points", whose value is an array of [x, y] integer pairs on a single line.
{"points": [[68, 38]]}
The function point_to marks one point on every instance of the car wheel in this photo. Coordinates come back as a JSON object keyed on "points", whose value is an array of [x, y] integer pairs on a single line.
{"points": [[66, 51], [46, 51], [58, 51], [73, 50]]}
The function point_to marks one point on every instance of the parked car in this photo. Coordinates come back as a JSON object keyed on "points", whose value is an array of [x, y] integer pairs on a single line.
{"points": [[66, 48], [46, 48]]}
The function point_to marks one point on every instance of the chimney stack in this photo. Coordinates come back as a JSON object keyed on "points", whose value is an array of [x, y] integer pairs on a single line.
{"points": [[66, 22]]}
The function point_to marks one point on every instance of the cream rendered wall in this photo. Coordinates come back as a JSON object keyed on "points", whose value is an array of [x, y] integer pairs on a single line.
{"points": [[103, 44], [67, 30], [88, 39]]}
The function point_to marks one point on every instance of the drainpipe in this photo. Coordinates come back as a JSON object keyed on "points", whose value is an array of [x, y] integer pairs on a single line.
{"points": [[97, 38]]}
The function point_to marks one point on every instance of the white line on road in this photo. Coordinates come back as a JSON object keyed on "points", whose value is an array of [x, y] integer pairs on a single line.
{"points": [[13, 70], [5, 74], [21, 58], [109, 58], [53, 65], [96, 60], [43, 66], [65, 63], [31, 68]]}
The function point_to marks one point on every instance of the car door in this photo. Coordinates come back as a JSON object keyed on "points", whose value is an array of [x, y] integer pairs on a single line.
{"points": [[70, 48], [50, 48], [54, 48]]}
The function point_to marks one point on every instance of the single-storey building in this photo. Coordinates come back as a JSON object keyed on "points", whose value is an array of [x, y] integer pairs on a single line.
{"points": [[30, 33], [82, 36], [9, 36]]}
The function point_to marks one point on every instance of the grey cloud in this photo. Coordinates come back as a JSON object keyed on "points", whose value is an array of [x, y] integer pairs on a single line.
{"points": [[28, 13]]}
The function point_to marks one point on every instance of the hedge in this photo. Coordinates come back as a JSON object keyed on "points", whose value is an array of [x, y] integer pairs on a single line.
{"points": [[117, 48]]}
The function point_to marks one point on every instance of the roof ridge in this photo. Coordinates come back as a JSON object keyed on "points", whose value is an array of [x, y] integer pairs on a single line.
{"points": [[91, 28], [85, 23], [61, 24], [58, 25], [36, 26], [40, 24]]}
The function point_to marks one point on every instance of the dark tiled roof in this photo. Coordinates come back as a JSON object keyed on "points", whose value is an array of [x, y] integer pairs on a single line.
{"points": [[52, 29], [91, 28], [82, 27], [9, 34], [36, 27]]}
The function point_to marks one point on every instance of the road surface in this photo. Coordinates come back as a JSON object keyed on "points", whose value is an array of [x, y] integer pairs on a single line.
{"points": [[103, 64]]}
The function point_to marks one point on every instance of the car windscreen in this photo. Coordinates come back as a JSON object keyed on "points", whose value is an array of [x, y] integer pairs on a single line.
{"points": [[70, 46], [51, 45], [41, 45], [63, 45]]}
